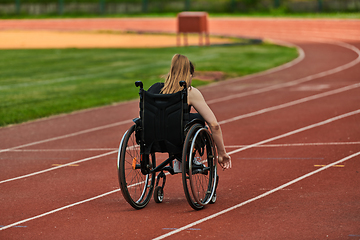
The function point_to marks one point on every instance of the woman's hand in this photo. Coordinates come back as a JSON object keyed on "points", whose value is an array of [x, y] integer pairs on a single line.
{"points": [[224, 161]]}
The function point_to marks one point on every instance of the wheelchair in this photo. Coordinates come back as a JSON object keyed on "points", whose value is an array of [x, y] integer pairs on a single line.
{"points": [[164, 127]]}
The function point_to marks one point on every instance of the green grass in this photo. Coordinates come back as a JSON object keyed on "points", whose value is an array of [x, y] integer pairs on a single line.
{"points": [[40, 83]]}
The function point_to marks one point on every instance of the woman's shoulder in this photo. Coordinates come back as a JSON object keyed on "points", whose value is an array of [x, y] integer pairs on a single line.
{"points": [[194, 91], [194, 95]]}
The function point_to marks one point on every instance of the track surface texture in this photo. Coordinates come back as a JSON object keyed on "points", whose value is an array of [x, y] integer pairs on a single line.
{"points": [[293, 134]]}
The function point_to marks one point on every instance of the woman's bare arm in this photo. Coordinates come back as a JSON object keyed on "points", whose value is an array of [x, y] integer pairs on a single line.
{"points": [[196, 99]]}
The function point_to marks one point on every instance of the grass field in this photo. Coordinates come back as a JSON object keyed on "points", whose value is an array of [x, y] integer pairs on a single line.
{"points": [[40, 83]]}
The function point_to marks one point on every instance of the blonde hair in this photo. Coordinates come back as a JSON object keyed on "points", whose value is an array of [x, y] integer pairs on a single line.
{"points": [[181, 70]]}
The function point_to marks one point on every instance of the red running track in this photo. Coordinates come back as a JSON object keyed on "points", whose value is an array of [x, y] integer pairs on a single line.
{"points": [[293, 133]]}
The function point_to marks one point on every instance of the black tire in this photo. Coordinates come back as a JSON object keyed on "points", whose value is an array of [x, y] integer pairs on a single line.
{"points": [[202, 169], [213, 199], [199, 175], [185, 176], [158, 194], [135, 186]]}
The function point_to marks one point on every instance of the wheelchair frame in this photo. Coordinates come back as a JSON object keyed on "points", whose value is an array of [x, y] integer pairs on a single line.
{"points": [[137, 169]]}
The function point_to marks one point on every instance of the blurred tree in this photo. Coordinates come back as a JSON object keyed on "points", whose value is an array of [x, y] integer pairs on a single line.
{"points": [[60, 7], [320, 5], [250, 3], [17, 6], [187, 5], [144, 6], [276, 3]]}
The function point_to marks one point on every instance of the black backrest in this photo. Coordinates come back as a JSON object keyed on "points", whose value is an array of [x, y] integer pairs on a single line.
{"points": [[163, 117]]}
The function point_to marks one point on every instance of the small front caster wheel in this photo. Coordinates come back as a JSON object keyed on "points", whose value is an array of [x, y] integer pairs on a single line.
{"points": [[158, 194]]}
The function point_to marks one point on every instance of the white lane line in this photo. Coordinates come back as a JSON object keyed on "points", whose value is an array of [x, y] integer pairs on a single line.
{"points": [[298, 81], [68, 135], [292, 103], [63, 150], [317, 96], [57, 167], [227, 146], [211, 101], [58, 209], [297, 144], [298, 130], [241, 149], [255, 198]]}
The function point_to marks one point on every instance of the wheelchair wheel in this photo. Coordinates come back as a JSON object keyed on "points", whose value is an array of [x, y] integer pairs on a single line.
{"points": [[199, 167], [135, 186]]}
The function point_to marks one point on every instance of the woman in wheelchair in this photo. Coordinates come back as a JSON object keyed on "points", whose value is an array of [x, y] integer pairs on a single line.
{"points": [[182, 70], [165, 126]]}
